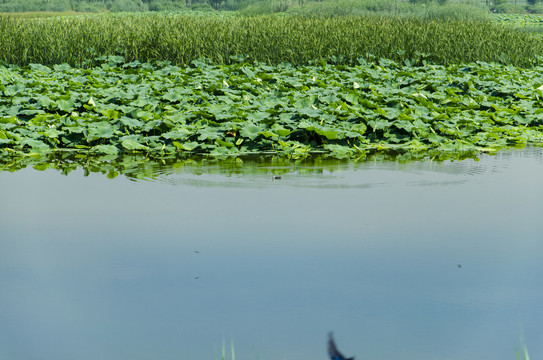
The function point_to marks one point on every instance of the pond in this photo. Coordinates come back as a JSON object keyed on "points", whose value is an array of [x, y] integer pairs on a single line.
{"points": [[416, 260]]}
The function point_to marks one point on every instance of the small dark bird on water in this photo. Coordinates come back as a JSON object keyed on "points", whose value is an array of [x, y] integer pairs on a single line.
{"points": [[333, 351]]}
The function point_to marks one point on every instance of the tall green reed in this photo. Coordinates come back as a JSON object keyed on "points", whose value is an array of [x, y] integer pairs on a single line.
{"points": [[232, 352], [268, 38]]}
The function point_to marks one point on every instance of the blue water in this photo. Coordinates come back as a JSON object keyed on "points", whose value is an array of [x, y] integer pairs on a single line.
{"points": [[422, 260]]}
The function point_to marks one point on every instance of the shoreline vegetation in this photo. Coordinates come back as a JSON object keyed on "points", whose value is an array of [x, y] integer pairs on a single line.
{"points": [[299, 40], [227, 84], [421, 8]]}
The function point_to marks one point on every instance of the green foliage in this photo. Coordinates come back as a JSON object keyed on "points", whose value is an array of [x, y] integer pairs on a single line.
{"points": [[421, 9], [535, 8], [201, 6], [499, 2], [523, 22], [92, 5], [89, 7], [127, 5], [267, 7], [518, 19], [236, 5], [248, 7], [244, 108], [351, 7], [166, 5], [507, 8], [455, 11], [419, 1], [523, 353], [216, 4], [35, 5], [182, 38], [232, 354]]}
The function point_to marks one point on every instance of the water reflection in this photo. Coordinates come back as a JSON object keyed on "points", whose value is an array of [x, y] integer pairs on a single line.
{"points": [[139, 166], [170, 262], [332, 173]]}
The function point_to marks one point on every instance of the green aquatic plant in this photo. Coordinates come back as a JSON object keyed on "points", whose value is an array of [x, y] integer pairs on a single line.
{"points": [[386, 8], [246, 108], [299, 40], [232, 352], [517, 19], [522, 354]]}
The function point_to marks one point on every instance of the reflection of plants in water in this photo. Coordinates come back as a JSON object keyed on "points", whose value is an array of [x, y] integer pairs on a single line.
{"points": [[142, 167]]}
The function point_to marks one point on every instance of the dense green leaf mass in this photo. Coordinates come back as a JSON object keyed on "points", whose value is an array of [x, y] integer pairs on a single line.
{"points": [[299, 40], [254, 108], [518, 19]]}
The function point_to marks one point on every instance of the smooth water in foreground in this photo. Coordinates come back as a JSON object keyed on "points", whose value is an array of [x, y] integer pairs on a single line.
{"points": [[417, 261]]}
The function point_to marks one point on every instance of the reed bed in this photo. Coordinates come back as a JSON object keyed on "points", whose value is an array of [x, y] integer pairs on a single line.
{"points": [[267, 38]]}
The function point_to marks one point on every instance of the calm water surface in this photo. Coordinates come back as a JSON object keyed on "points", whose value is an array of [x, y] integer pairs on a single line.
{"points": [[422, 260]]}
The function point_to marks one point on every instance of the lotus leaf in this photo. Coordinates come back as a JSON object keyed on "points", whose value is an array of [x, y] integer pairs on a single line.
{"points": [[292, 110]]}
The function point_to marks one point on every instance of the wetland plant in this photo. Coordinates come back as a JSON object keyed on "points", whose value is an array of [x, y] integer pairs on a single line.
{"points": [[243, 108], [232, 353], [298, 40]]}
